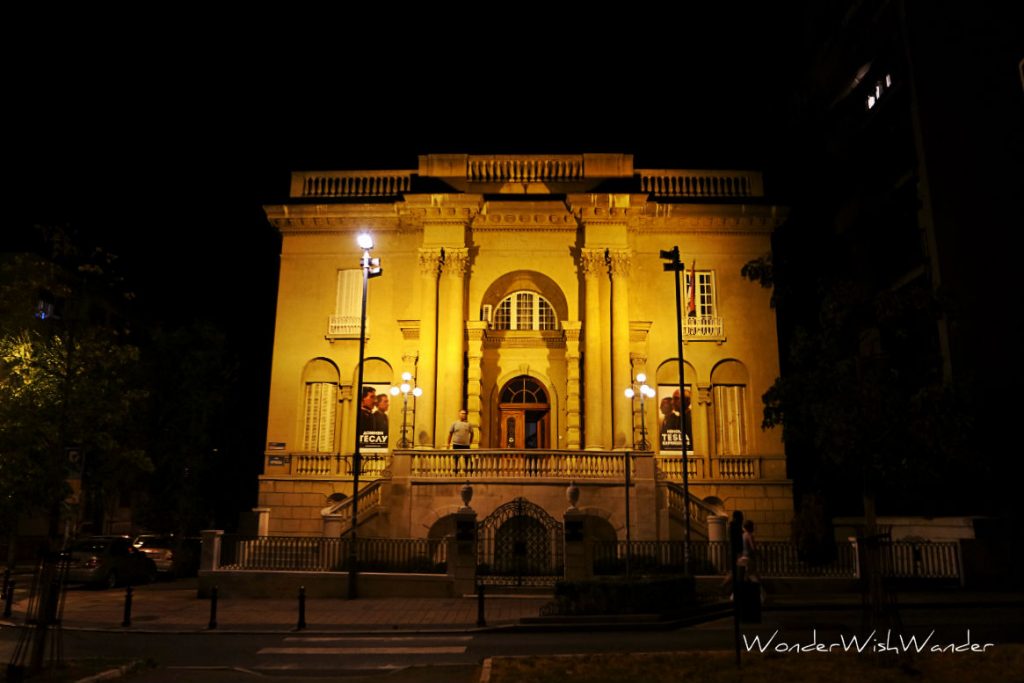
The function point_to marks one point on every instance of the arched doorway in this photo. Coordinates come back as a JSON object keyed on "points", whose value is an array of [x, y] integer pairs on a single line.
{"points": [[524, 414], [519, 543]]}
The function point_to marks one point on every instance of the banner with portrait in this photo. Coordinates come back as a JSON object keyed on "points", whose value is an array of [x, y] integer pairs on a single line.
{"points": [[675, 421], [372, 425]]}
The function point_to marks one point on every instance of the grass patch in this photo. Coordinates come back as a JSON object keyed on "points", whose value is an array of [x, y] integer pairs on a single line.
{"points": [[719, 667]]}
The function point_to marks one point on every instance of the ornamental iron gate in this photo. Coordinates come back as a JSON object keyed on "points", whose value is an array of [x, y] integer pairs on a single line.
{"points": [[519, 544]]}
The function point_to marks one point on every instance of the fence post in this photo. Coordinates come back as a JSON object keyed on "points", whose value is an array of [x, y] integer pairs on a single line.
{"points": [[854, 556], [302, 609], [958, 550], [127, 621], [579, 564], [462, 552], [480, 620], [9, 599], [210, 557], [213, 608]]}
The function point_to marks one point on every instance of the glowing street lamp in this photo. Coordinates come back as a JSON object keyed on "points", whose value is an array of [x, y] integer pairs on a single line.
{"points": [[405, 389], [641, 389], [371, 268]]}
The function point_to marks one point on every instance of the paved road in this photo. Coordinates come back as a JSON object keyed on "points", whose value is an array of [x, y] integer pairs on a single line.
{"points": [[456, 656]]}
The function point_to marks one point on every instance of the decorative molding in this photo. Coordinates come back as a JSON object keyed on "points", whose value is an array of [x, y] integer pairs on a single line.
{"points": [[410, 332], [620, 262], [638, 330], [572, 329], [430, 262], [594, 262], [455, 262]]}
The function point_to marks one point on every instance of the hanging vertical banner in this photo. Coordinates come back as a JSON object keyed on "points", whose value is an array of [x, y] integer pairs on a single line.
{"points": [[372, 427], [674, 420]]}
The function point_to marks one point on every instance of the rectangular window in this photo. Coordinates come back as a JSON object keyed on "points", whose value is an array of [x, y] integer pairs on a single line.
{"points": [[348, 304], [704, 297], [321, 406], [730, 419]]}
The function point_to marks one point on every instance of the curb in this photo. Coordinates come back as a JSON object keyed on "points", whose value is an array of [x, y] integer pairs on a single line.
{"points": [[110, 674]]}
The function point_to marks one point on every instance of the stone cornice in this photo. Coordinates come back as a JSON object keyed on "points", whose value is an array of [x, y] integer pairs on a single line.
{"points": [[332, 217]]}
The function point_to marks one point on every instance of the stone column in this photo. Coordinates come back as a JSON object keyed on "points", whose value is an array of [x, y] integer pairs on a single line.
{"points": [[451, 335], [474, 403], [572, 389], [347, 415], [592, 261], [622, 411], [430, 264]]}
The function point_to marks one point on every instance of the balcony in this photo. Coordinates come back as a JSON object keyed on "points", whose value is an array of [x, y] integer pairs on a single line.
{"points": [[703, 328]]}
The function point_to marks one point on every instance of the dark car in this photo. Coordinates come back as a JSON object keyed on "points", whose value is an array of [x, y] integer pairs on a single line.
{"points": [[108, 561], [173, 555]]}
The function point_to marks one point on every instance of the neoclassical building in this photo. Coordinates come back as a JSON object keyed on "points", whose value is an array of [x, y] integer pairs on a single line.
{"points": [[527, 290]]}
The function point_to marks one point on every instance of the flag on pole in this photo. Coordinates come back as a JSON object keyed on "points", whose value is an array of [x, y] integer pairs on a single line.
{"points": [[691, 307]]}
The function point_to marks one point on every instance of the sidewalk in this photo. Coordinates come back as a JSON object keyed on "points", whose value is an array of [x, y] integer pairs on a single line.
{"points": [[173, 607]]}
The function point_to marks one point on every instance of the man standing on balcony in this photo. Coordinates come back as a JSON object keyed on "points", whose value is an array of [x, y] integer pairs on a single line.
{"points": [[460, 436]]}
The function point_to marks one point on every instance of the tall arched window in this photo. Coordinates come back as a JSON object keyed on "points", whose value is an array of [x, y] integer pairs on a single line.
{"points": [[525, 311], [320, 402], [729, 399]]}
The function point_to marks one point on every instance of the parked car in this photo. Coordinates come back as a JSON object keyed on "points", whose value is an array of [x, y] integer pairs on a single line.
{"points": [[173, 555], [109, 561]]}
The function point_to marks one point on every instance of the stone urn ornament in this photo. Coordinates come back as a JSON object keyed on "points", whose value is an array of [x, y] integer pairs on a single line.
{"points": [[572, 493], [466, 493]]}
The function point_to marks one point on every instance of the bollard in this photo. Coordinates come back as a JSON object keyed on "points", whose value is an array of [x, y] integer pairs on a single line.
{"points": [[9, 599], [7, 580], [480, 621], [127, 607], [302, 609], [213, 608]]}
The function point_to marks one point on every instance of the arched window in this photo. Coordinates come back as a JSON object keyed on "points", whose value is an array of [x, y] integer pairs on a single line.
{"points": [[524, 311], [729, 398], [523, 390], [320, 402]]}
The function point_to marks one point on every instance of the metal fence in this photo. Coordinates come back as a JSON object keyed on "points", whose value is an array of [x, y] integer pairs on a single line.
{"points": [[283, 553], [780, 559]]}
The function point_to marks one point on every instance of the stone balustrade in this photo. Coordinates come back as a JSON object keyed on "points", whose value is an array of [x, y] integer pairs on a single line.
{"points": [[350, 183], [693, 183], [511, 464]]}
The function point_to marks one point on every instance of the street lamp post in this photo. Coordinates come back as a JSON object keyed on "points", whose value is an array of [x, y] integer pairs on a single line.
{"points": [[675, 266], [641, 390], [405, 389], [371, 268]]}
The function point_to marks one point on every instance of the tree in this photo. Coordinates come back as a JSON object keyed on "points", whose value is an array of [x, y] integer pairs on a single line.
{"points": [[68, 380]]}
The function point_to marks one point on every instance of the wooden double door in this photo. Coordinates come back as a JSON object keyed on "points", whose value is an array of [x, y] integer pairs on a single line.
{"points": [[525, 425]]}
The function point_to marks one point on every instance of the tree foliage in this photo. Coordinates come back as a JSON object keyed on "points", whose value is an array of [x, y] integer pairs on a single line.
{"points": [[68, 380]]}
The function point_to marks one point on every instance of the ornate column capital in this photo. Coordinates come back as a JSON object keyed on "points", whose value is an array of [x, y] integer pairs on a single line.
{"points": [[430, 262], [620, 262], [594, 262], [456, 261]]}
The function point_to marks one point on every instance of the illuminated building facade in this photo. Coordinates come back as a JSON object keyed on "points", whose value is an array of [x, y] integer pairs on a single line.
{"points": [[528, 291]]}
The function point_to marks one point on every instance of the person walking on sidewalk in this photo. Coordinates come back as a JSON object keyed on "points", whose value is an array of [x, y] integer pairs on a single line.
{"points": [[460, 436]]}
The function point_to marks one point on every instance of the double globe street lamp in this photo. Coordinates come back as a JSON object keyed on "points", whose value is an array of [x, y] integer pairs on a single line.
{"points": [[641, 389], [405, 389]]}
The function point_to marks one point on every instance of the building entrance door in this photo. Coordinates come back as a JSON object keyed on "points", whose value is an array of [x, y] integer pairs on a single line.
{"points": [[524, 415]]}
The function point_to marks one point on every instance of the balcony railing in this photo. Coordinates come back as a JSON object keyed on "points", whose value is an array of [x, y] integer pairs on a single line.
{"points": [[325, 465], [344, 326], [702, 327], [529, 464]]}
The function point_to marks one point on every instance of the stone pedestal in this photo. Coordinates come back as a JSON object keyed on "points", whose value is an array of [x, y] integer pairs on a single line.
{"points": [[209, 559], [462, 553], [334, 527], [578, 560], [262, 521]]}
